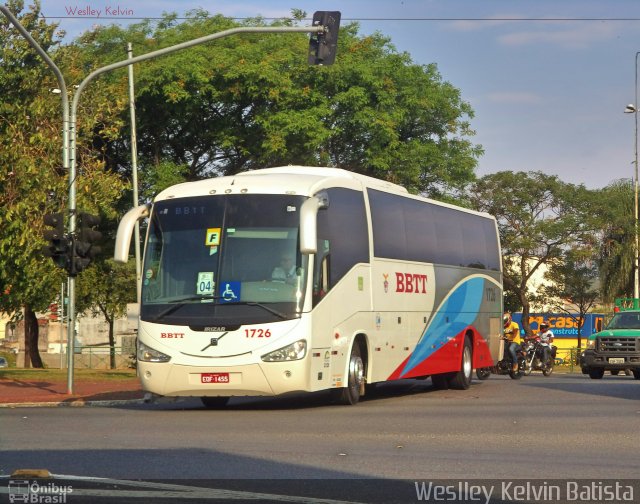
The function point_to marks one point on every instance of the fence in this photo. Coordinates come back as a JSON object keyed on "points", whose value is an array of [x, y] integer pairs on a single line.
{"points": [[100, 358], [87, 358], [570, 357]]}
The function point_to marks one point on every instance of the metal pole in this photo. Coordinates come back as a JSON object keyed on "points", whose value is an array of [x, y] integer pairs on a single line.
{"points": [[65, 149], [61, 320], [636, 251], [134, 172]]}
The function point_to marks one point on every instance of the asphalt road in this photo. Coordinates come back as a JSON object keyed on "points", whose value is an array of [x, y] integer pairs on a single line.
{"points": [[560, 427]]}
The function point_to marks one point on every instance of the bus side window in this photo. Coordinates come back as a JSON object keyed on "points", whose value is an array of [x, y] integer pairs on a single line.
{"points": [[322, 273]]}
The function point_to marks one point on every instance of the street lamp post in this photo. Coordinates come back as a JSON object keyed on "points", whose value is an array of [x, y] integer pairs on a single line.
{"points": [[632, 109]]}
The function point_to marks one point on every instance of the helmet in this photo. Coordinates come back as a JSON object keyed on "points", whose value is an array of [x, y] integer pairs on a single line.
{"points": [[506, 319], [544, 326]]}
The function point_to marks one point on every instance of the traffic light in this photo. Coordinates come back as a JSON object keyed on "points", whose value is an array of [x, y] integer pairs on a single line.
{"points": [[84, 248], [59, 244], [322, 46]]}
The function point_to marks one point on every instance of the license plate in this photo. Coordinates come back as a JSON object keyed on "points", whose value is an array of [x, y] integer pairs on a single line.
{"points": [[214, 377], [616, 360]]}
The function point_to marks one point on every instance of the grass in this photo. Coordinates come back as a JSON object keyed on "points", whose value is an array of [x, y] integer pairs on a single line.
{"points": [[61, 374]]}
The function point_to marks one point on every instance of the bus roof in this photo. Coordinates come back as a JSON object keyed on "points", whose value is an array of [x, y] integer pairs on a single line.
{"points": [[302, 180]]}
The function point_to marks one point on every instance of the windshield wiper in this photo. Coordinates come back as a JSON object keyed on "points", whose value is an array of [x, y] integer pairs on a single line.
{"points": [[182, 301], [263, 306]]}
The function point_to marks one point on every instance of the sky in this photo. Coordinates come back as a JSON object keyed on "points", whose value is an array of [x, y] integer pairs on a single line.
{"points": [[548, 80]]}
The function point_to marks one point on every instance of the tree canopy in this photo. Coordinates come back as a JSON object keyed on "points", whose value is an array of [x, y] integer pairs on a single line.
{"points": [[251, 101], [539, 219], [616, 243]]}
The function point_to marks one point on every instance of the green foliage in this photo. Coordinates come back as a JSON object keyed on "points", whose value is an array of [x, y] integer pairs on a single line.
{"points": [[539, 219], [574, 279], [615, 206], [250, 101], [105, 288], [31, 180], [159, 177], [30, 154]]}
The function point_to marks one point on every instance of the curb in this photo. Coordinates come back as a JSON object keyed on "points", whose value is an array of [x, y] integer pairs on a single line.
{"points": [[77, 403]]}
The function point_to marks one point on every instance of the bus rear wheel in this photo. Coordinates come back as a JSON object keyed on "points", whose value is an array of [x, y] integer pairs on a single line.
{"points": [[461, 380], [350, 394]]}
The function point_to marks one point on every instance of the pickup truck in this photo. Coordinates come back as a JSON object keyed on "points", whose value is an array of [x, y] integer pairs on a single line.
{"points": [[616, 348]]}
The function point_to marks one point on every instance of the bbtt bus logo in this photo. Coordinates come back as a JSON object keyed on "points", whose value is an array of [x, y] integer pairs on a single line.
{"points": [[411, 283]]}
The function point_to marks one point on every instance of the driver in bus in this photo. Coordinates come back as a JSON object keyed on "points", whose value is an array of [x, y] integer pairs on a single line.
{"points": [[285, 271]]}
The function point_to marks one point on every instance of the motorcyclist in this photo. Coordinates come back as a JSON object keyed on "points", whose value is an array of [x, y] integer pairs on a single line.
{"points": [[546, 338], [512, 335]]}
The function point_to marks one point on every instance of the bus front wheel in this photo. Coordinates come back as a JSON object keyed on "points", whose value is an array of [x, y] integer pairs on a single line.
{"points": [[350, 394]]}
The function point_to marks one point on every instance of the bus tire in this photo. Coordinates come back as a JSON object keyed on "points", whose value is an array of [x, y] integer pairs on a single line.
{"points": [[440, 381], [350, 394], [461, 380], [214, 402]]}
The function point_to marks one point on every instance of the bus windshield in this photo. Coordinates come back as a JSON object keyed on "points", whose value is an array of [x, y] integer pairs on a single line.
{"points": [[224, 260]]}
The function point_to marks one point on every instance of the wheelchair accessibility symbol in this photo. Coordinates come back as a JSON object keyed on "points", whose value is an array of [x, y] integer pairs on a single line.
{"points": [[230, 292]]}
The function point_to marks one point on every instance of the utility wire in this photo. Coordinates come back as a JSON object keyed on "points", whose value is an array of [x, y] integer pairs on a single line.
{"points": [[507, 19]]}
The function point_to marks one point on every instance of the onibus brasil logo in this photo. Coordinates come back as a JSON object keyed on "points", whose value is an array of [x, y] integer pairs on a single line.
{"points": [[40, 493]]}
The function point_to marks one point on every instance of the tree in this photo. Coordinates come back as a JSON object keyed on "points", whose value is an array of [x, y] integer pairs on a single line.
{"points": [[30, 146], [615, 206], [539, 217], [252, 101], [574, 279], [104, 289]]}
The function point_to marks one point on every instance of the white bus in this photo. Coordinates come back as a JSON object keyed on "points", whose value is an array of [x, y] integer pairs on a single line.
{"points": [[305, 279]]}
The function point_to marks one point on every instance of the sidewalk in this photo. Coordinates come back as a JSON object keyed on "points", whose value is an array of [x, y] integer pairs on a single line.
{"points": [[92, 391]]}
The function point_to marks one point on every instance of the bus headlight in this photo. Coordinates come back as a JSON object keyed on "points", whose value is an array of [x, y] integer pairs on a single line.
{"points": [[591, 343], [148, 354], [294, 351]]}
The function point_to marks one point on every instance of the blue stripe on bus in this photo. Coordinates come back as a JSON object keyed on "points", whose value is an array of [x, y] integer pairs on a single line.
{"points": [[458, 312]]}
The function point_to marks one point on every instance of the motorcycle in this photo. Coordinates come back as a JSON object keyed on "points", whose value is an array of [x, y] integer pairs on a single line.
{"points": [[505, 366], [534, 356]]}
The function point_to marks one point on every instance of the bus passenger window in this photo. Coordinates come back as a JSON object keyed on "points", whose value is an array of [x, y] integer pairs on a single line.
{"points": [[321, 274]]}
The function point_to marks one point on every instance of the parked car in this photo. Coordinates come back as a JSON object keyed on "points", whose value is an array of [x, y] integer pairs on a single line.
{"points": [[3, 362]]}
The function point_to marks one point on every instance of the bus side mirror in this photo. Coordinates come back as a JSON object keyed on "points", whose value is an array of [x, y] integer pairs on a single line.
{"points": [[308, 222], [125, 230]]}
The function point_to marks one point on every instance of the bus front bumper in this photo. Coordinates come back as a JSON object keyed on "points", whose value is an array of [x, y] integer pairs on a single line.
{"points": [[266, 379]]}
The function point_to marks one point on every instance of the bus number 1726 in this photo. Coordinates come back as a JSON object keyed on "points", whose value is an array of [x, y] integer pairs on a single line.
{"points": [[257, 333]]}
